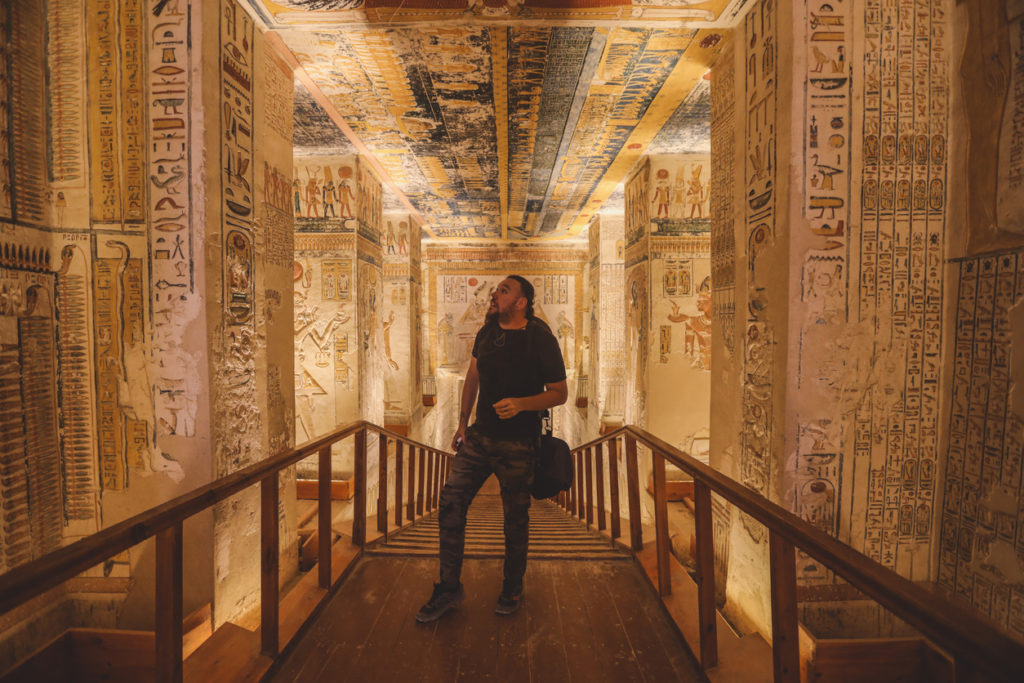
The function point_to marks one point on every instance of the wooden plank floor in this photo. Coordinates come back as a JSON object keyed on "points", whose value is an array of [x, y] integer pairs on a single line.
{"points": [[586, 621]]}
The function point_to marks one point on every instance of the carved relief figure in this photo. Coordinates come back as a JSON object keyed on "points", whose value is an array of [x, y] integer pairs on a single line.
{"points": [[695, 192], [697, 344]]}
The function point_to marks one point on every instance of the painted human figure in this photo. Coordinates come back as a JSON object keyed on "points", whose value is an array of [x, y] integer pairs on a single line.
{"points": [[345, 198], [565, 332], [662, 194], [297, 197], [390, 237], [387, 340], [697, 343], [329, 196], [695, 192], [312, 199], [403, 242], [445, 333]]}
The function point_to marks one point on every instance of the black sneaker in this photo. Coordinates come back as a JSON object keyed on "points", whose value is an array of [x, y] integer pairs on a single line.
{"points": [[440, 601], [509, 600]]}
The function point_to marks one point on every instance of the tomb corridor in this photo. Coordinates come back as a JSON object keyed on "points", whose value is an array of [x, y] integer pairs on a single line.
{"points": [[246, 247]]}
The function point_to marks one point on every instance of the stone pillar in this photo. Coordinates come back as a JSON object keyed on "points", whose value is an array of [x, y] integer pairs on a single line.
{"points": [[400, 306], [833, 379], [607, 334], [247, 102]]}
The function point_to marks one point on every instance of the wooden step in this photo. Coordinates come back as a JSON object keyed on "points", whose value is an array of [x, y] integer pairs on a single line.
{"points": [[553, 535]]}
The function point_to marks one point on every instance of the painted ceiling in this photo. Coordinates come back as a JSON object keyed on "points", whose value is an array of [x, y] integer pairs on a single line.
{"points": [[498, 119]]}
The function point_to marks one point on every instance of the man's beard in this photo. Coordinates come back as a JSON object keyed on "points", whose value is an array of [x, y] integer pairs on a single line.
{"points": [[491, 316]]}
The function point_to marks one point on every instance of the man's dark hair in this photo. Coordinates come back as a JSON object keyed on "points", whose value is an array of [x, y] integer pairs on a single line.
{"points": [[527, 289]]}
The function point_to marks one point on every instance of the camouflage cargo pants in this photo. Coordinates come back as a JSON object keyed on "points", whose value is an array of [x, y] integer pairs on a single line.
{"points": [[512, 461]]}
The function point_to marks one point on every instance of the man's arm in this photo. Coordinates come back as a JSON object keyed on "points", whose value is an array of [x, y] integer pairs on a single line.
{"points": [[469, 390], [553, 395]]}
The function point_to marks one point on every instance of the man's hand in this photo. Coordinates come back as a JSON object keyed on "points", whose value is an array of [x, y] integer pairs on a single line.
{"points": [[460, 436], [507, 407]]}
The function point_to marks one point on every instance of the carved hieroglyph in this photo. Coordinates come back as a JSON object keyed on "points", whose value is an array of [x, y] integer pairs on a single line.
{"points": [[1010, 187], [722, 190], [903, 201], [237, 414], [760, 180], [30, 458], [981, 541]]}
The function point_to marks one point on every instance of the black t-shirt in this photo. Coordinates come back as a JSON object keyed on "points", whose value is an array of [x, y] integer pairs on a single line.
{"points": [[513, 364]]}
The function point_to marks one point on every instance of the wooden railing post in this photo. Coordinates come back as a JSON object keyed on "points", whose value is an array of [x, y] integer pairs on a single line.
{"points": [[168, 604], [359, 493], [410, 513], [323, 522], [599, 473], [662, 540], [382, 484], [429, 503], [589, 465], [636, 535], [613, 486], [437, 480], [570, 495], [704, 531], [785, 643], [399, 507], [441, 465], [421, 487], [269, 565], [580, 500]]}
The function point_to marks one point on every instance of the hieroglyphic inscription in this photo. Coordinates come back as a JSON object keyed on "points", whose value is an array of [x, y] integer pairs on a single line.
{"points": [[369, 205], [817, 491], [132, 117], [39, 391], [118, 313], [612, 339], [15, 531], [900, 288], [117, 115], [81, 486], [1010, 189], [66, 91], [171, 237], [236, 33], [636, 205], [723, 186], [6, 177], [759, 217], [278, 88], [169, 187], [981, 517], [27, 70], [239, 430], [827, 123], [30, 470], [103, 128]]}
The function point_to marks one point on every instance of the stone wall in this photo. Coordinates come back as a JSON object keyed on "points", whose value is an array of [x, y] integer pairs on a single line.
{"points": [[979, 537], [870, 324], [145, 245]]}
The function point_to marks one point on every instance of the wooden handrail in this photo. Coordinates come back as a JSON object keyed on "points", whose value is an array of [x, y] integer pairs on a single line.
{"points": [[975, 644], [165, 521]]}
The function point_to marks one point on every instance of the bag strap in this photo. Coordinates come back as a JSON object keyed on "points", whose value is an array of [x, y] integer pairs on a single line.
{"points": [[546, 428]]}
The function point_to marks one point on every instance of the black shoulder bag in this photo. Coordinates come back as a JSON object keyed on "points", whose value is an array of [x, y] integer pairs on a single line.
{"points": [[553, 472]]}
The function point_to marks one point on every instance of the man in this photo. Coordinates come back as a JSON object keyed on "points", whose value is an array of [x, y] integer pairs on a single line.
{"points": [[518, 370]]}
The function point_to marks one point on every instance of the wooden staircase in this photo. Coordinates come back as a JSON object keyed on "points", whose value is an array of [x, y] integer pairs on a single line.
{"points": [[553, 535]]}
